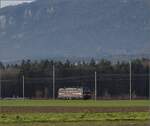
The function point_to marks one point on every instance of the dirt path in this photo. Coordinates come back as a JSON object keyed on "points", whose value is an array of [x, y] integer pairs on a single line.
{"points": [[71, 109]]}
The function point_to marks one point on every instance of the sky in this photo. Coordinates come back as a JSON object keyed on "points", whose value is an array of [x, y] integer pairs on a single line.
{"points": [[5, 3]]}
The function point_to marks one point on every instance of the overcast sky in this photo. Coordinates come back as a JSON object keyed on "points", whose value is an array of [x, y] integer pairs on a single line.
{"points": [[13, 2]]}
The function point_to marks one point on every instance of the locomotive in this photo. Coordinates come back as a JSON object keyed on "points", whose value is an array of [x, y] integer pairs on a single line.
{"points": [[74, 93]]}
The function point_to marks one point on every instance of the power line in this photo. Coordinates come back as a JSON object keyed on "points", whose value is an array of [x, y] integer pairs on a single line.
{"points": [[103, 77]]}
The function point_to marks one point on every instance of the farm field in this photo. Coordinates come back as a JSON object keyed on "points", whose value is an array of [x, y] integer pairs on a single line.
{"points": [[73, 117], [77, 103], [109, 123], [53, 111]]}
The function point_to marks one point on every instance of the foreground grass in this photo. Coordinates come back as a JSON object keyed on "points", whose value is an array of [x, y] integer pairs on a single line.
{"points": [[73, 117], [78, 103], [102, 123]]}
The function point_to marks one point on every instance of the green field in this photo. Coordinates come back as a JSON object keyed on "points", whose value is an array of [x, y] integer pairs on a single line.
{"points": [[13, 119], [108, 123], [78, 103], [73, 117]]}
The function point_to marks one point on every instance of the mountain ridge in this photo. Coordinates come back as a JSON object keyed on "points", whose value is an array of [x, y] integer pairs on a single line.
{"points": [[82, 28]]}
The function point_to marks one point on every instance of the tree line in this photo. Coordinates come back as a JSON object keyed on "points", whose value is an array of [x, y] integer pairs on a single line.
{"points": [[112, 78]]}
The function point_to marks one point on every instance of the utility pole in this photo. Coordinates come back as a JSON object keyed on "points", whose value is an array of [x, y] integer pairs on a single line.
{"points": [[95, 85], [149, 76], [0, 85], [130, 90], [23, 86], [53, 81]]}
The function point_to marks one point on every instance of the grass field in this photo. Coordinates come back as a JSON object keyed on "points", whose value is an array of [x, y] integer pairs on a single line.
{"points": [[73, 117], [108, 123], [77, 103], [9, 119]]}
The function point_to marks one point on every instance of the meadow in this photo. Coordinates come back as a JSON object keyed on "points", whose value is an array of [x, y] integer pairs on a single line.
{"points": [[108, 123], [77, 103], [73, 117], [69, 117]]}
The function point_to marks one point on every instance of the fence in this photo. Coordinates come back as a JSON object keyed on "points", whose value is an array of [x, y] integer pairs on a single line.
{"points": [[107, 86]]}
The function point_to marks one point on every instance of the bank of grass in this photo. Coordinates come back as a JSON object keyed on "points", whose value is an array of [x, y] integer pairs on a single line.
{"points": [[99, 123], [73, 117], [78, 103]]}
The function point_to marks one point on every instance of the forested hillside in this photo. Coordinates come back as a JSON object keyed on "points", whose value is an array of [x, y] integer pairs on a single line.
{"points": [[112, 79]]}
